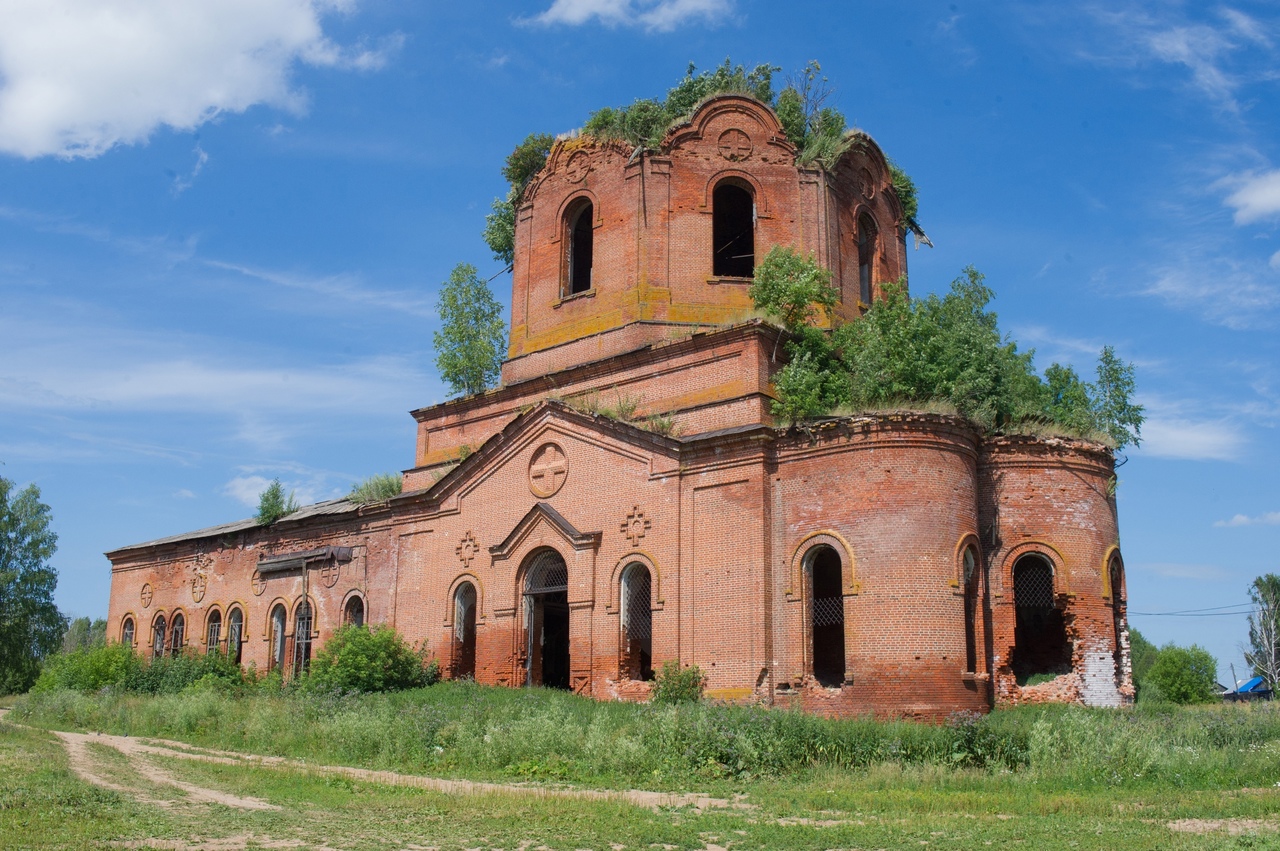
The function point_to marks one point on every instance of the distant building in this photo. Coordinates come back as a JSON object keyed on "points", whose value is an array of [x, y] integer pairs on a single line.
{"points": [[625, 498]]}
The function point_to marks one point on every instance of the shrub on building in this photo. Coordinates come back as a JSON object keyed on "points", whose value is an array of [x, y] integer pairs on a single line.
{"points": [[364, 659], [116, 666], [674, 684]]}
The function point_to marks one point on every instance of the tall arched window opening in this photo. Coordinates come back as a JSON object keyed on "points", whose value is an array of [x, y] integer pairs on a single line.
{"points": [[580, 238], [826, 607], [277, 638], [126, 632], [235, 635], [866, 256], [1040, 634], [637, 623], [464, 631], [546, 617], [213, 631], [733, 231], [302, 623], [353, 614], [178, 634], [159, 634], [1118, 620], [971, 610]]}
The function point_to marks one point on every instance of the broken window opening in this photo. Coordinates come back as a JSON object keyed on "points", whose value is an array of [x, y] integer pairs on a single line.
{"points": [[158, 632], [1040, 633], [213, 631], [126, 632], [235, 634], [637, 623], [581, 239], [464, 632], [826, 605], [546, 609], [971, 610], [302, 640], [277, 638], [178, 634], [866, 256], [733, 231], [353, 612], [1117, 618]]}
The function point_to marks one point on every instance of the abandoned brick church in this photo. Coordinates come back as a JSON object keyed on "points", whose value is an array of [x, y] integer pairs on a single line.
{"points": [[900, 564]]}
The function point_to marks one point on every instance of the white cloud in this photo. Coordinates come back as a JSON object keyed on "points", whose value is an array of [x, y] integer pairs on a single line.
{"points": [[182, 184], [1256, 196], [1191, 440], [1275, 261], [1223, 290], [81, 76], [345, 287], [183, 493], [246, 489], [659, 15], [1271, 518]]}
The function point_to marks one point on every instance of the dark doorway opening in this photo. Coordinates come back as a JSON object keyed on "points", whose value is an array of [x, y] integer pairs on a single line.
{"points": [[464, 631], [733, 231], [1040, 640], [637, 623], [827, 620], [547, 620]]}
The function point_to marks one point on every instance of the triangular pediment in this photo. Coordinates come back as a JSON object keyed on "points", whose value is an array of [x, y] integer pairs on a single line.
{"points": [[544, 516]]}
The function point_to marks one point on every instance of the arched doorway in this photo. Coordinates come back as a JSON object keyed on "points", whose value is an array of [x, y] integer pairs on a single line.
{"points": [[464, 631], [637, 623], [1040, 640], [235, 634], [546, 608], [826, 616], [277, 638], [213, 632], [302, 628]]}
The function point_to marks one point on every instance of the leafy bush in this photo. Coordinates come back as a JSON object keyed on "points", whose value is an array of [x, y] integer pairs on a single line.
{"points": [[117, 666], [361, 659], [1183, 675], [272, 504], [674, 684]]}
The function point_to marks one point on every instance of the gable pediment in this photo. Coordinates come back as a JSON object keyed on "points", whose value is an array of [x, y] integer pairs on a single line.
{"points": [[543, 518]]}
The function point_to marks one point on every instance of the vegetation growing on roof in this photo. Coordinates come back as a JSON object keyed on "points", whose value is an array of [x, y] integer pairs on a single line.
{"points": [[819, 131], [376, 488], [272, 504], [947, 349]]}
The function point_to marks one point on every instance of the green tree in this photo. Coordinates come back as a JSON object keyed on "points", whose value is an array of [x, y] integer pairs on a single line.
{"points": [[1183, 674], [1142, 655], [792, 288], [272, 503], [1113, 405], [521, 165], [469, 344], [1263, 653], [82, 634], [31, 626]]}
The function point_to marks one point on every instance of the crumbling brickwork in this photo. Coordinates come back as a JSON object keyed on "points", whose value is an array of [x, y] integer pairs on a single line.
{"points": [[896, 564]]}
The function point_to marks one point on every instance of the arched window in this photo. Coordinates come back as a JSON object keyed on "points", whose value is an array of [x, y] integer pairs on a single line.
{"points": [[159, 632], [826, 607], [179, 634], [866, 256], [1040, 636], [277, 638], [353, 613], [970, 560], [1116, 570], [126, 632], [235, 634], [733, 231], [637, 623], [213, 631], [579, 238], [464, 631], [302, 639], [546, 610]]}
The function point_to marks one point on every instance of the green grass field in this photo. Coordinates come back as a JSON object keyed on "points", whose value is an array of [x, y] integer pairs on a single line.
{"points": [[1031, 778]]}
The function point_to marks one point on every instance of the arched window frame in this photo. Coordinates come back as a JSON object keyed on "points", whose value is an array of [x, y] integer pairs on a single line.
{"points": [[159, 635], [277, 635], [213, 639], [352, 599], [816, 611], [868, 235], [726, 268], [128, 630], [305, 630], [235, 618], [572, 233], [636, 625], [177, 633]]}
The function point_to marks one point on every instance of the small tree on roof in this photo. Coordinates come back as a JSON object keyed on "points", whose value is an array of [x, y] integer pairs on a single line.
{"points": [[469, 344], [272, 504]]}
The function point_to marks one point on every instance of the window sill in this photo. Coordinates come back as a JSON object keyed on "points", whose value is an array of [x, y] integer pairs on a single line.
{"points": [[591, 293], [726, 279]]}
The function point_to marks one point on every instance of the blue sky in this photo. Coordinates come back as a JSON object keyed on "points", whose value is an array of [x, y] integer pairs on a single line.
{"points": [[222, 230]]}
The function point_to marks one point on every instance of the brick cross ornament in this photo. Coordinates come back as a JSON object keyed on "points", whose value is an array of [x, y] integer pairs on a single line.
{"points": [[548, 470]]}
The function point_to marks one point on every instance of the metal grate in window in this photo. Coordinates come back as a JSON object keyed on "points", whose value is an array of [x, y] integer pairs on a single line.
{"points": [[828, 611], [1033, 584], [637, 619], [547, 574]]}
